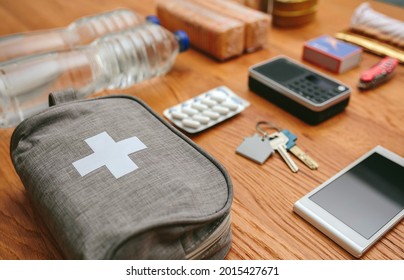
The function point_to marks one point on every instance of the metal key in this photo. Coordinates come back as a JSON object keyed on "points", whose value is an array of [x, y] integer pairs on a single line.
{"points": [[295, 150], [278, 142]]}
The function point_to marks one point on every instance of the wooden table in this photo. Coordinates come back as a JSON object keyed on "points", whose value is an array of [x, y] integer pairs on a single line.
{"points": [[264, 225]]}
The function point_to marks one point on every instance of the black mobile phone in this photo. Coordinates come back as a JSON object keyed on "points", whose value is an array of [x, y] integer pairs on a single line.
{"points": [[304, 92]]}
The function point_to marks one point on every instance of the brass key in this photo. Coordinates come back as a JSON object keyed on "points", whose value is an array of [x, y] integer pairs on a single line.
{"points": [[305, 158], [294, 149]]}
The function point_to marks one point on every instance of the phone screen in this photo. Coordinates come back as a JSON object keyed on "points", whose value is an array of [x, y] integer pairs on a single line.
{"points": [[366, 197], [284, 72], [280, 70]]}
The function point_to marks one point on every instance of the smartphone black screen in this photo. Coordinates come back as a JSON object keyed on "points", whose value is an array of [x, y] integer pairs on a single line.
{"points": [[367, 196]]}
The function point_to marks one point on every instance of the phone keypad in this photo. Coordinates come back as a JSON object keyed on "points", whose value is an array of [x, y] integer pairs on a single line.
{"points": [[313, 92]]}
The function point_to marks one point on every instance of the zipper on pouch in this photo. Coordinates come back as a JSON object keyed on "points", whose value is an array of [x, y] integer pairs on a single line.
{"points": [[219, 232]]}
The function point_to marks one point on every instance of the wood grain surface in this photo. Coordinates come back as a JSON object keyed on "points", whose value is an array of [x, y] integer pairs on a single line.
{"points": [[264, 225]]}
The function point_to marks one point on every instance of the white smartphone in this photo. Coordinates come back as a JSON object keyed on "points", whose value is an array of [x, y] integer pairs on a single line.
{"points": [[358, 205]]}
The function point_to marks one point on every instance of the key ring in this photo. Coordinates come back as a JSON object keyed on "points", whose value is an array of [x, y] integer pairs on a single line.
{"points": [[263, 132]]}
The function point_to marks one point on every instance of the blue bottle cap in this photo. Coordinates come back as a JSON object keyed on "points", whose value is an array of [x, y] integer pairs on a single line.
{"points": [[183, 40], [153, 19]]}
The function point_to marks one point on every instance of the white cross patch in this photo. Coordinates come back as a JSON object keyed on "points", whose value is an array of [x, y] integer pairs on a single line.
{"points": [[113, 155]]}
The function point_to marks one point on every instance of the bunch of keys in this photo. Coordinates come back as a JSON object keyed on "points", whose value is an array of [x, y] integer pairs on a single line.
{"points": [[260, 147]]}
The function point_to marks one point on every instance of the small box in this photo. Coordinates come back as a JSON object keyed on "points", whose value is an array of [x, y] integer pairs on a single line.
{"points": [[332, 54]]}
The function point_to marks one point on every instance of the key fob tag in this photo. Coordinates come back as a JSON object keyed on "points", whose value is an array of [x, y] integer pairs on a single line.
{"points": [[255, 148]]}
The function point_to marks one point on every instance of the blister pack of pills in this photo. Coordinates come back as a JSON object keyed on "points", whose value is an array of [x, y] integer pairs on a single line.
{"points": [[206, 109]]}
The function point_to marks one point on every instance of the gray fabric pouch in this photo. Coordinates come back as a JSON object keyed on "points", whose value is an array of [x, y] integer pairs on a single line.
{"points": [[113, 180]]}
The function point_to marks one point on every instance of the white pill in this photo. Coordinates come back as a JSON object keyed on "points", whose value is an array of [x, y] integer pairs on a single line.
{"points": [[232, 106], [218, 96], [201, 119], [189, 111], [209, 102], [178, 115], [199, 106], [221, 110], [210, 114], [190, 123]]}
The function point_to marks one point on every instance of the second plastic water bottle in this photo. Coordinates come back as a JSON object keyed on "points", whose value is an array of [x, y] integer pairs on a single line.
{"points": [[114, 61], [79, 33]]}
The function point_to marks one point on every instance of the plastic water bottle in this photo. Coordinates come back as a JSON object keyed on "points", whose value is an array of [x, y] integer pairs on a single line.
{"points": [[81, 32], [111, 62]]}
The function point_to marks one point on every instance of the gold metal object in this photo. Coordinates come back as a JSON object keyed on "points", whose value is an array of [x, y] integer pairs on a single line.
{"points": [[291, 13], [371, 45]]}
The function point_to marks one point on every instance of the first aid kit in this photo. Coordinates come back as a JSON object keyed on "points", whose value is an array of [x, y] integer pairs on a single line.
{"points": [[113, 180]]}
